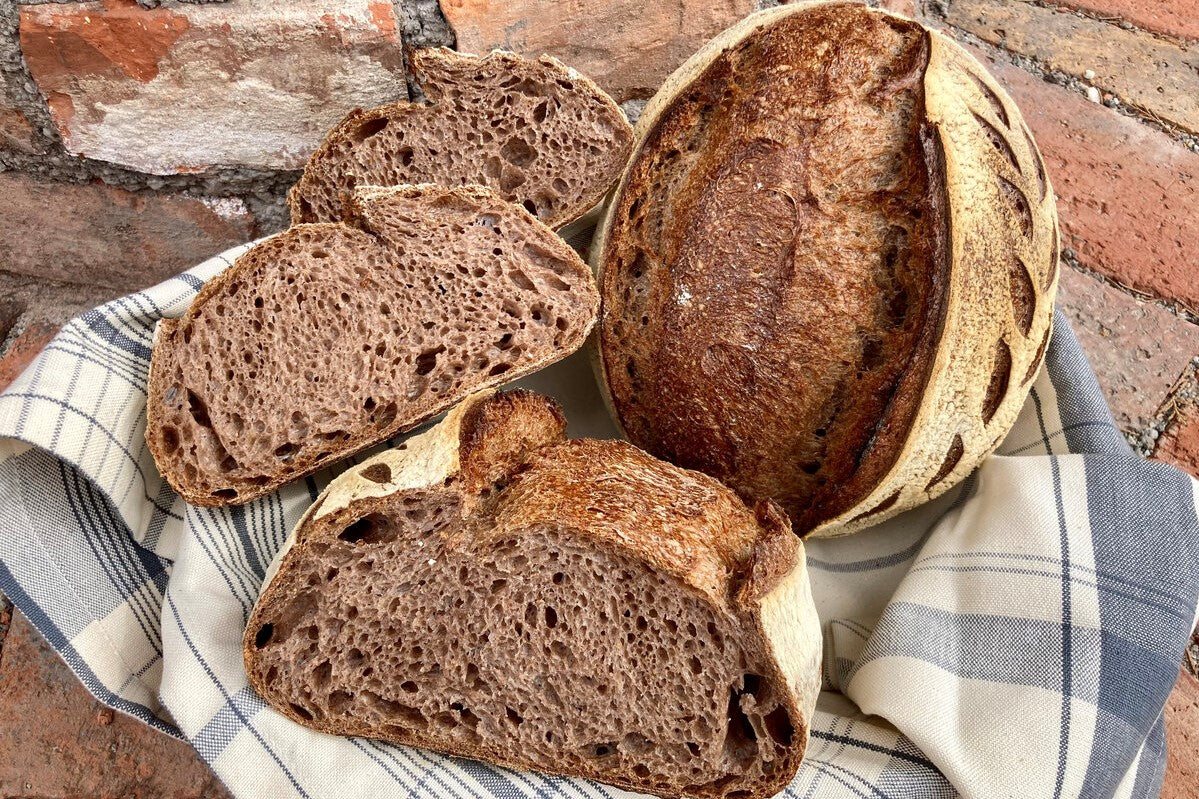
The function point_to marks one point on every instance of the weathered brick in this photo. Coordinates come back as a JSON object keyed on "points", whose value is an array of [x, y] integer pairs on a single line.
{"points": [[22, 350], [111, 237], [181, 88], [1138, 349], [1127, 194], [1172, 17], [59, 742], [1179, 443], [1158, 76], [1182, 739], [16, 132], [627, 46]]}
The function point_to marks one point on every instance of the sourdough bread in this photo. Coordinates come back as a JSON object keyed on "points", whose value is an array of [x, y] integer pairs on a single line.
{"points": [[537, 133], [576, 607], [827, 274], [330, 338]]}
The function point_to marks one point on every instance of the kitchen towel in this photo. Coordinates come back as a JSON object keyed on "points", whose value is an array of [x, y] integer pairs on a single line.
{"points": [[1017, 637]]}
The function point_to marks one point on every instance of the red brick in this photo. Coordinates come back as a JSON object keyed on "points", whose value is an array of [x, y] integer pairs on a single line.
{"points": [[59, 742], [1138, 349], [1172, 17], [627, 46], [1145, 71], [23, 349], [1127, 194], [107, 236], [1182, 739], [1179, 443], [180, 88]]}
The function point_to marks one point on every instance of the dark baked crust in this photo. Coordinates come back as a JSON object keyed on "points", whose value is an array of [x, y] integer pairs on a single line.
{"points": [[775, 268]]}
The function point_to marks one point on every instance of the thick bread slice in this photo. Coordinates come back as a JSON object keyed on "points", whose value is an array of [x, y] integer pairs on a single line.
{"points": [[828, 271], [330, 338], [539, 134], [573, 607]]}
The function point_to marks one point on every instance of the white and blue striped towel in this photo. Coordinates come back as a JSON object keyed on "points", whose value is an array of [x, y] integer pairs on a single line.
{"points": [[1016, 638]]}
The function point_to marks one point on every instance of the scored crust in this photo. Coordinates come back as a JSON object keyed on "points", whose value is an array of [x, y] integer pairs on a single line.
{"points": [[501, 461], [990, 294], [330, 338], [535, 131]]}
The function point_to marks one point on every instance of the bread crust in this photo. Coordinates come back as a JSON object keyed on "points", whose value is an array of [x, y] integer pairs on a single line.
{"points": [[746, 565], [986, 335], [368, 202], [437, 67]]}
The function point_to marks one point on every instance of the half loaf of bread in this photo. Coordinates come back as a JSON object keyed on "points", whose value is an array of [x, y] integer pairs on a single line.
{"points": [[578, 607], [827, 274], [330, 338], [537, 133]]}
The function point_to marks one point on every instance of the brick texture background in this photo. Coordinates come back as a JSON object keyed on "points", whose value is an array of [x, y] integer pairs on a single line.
{"points": [[138, 138]]}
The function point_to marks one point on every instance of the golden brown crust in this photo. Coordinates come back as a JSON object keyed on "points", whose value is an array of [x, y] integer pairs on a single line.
{"points": [[701, 387]]}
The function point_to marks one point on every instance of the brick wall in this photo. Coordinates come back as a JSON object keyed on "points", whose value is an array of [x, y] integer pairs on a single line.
{"points": [[137, 138]]}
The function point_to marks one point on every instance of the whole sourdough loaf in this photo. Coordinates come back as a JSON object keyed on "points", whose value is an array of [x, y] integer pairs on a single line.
{"points": [[330, 338], [577, 607], [537, 133], [827, 274]]}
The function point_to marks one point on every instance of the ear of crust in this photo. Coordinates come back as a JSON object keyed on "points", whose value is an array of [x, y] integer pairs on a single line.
{"points": [[999, 305]]}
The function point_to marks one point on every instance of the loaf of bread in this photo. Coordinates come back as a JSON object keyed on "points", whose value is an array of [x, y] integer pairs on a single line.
{"points": [[827, 274], [330, 338], [576, 607], [537, 133]]}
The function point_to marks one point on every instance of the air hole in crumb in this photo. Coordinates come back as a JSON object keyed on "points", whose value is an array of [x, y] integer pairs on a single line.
{"points": [[370, 529], [386, 416], [370, 128], [198, 410], [779, 726], [551, 618], [408, 687], [530, 206], [170, 439], [377, 473], [286, 451], [602, 750], [427, 360], [225, 494], [405, 155], [263, 636], [303, 713], [499, 369]]}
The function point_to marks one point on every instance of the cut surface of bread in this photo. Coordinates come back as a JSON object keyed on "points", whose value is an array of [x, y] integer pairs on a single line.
{"points": [[574, 607], [827, 273], [537, 133], [330, 338]]}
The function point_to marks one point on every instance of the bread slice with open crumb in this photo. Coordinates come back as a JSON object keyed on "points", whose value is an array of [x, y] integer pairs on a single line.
{"points": [[492, 590], [330, 338], [536, 132]]}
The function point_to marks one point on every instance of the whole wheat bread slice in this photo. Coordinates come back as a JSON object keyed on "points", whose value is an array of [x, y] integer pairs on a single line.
{"points": [[330, 338], [539, 134], [576, 607]]}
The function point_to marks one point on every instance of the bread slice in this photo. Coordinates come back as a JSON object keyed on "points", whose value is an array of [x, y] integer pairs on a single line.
{"points": [[330, 338], [573, 607], [539, 134], [827, 274]]}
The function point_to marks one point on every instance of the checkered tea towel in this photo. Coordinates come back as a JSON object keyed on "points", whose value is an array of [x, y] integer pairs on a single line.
{"points": [[1016, 638]]}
